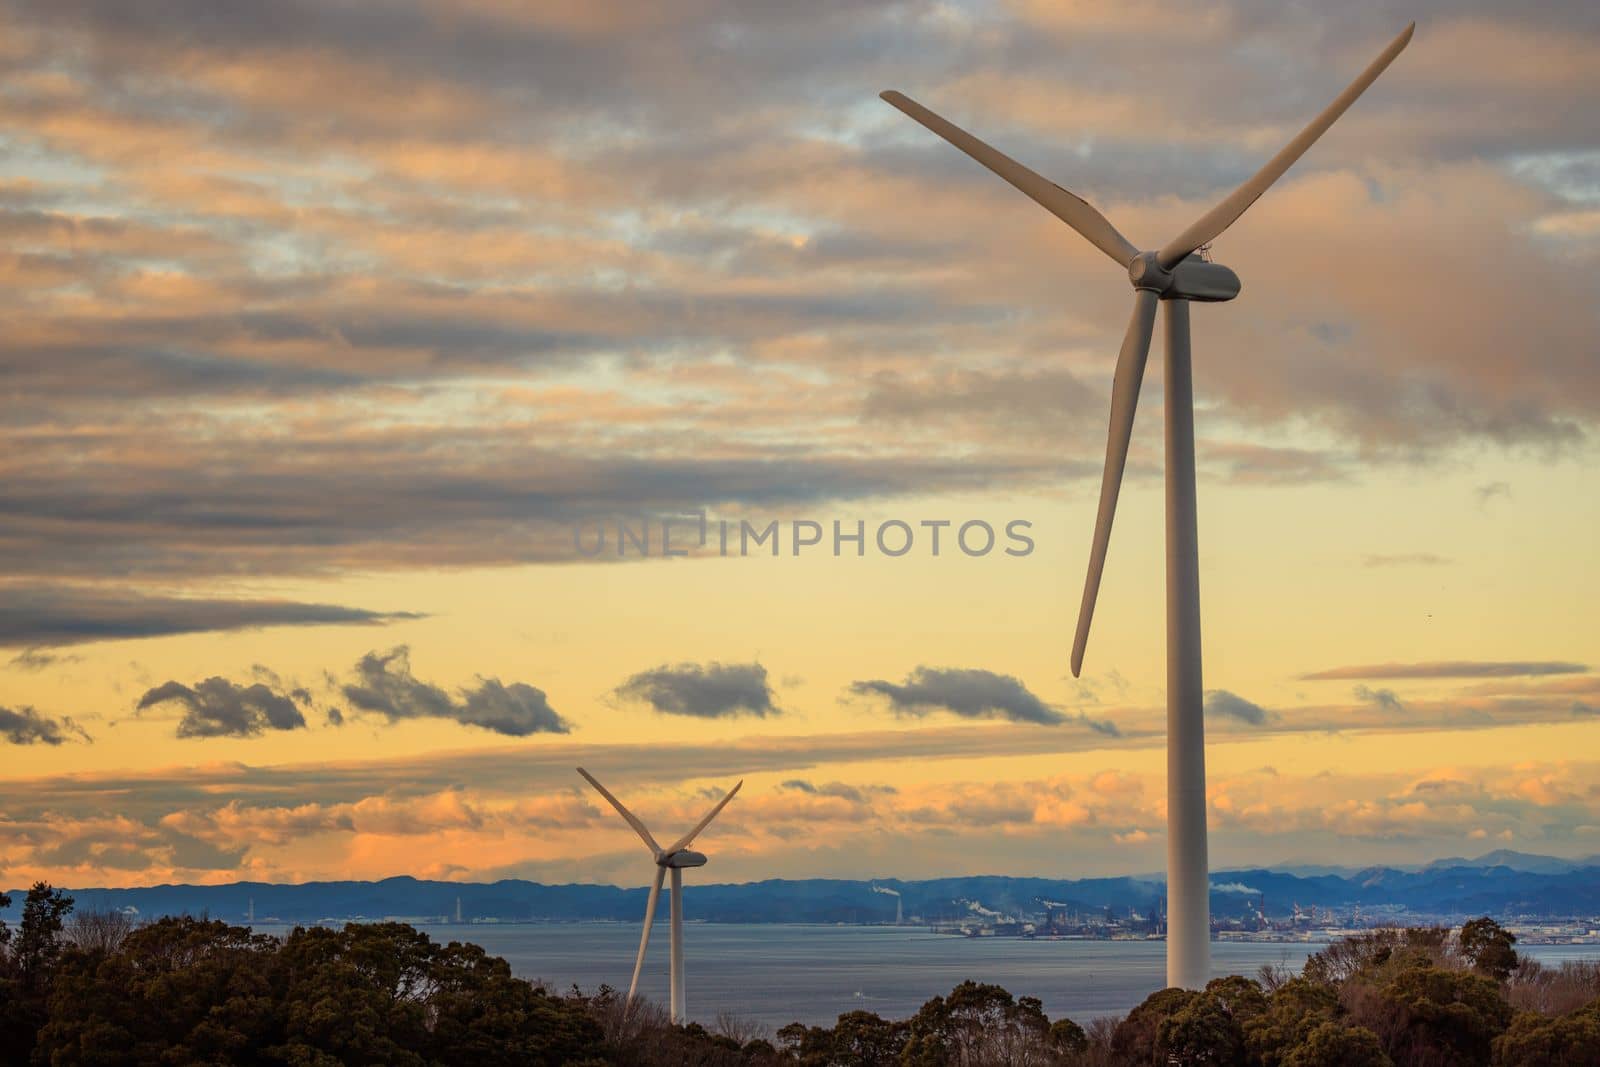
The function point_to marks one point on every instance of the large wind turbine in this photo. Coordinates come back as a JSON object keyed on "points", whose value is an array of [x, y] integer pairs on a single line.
{"points": [[675, 857], [1174, 274]]}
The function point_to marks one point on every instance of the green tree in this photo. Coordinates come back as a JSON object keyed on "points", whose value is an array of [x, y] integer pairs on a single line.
{"points": [[1243, 998], [179, 990], [1294, 1009], [28, 956], [1332, 1045], [1067, 1037], [1487, 946], [38, 942], [863, 1037], [1571, 1040], [1134, 1039], [1202, 1031], [478, 1012], [1426, 1015]]}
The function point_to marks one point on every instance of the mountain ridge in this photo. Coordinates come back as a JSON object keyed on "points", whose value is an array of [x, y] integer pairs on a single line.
{"points": [[1448, 888]]}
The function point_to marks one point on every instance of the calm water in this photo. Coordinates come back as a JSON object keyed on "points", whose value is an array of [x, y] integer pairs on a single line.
{"points": [[781, 974]]}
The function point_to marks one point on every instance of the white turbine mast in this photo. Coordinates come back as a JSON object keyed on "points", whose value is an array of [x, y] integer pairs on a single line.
{"points": [[1175, 275], [674, 858]]}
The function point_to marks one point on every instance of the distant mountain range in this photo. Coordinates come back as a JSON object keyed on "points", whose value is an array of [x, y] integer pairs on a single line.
{"points": [[1503, 884]]}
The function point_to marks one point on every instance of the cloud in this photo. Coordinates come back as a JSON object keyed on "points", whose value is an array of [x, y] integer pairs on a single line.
{"points": [[385, 685], [709, 691], [1232, 706], [37, 615], [37, 659], [1491, 491], [25, 726], [217, 707], [854, 794], [486, 809], [1381, 698], [1252, 464], [1448, 669], [969, 693], [439, 370], [1405, 559]]}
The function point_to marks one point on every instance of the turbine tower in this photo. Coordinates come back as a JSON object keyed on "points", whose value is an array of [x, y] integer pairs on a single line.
{"points": [[674, 858], [1173, 275]]}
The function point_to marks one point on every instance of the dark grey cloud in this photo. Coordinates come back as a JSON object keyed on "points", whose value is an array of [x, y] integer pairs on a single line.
{"points": [[1385, 699], [834, 789], [375, 502], [145, 847], [217, 707], [57, 615], [26, 726], [703, 691], [1232, 706], [385, 685], [1447, 669], [37, 659], [968, 692]]}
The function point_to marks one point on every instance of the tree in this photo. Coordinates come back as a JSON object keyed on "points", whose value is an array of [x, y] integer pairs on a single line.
{"points": [[807, 1044], [1134, 1040], [1426, 1015], [1571, 1040], [1295, 1008], [38, 942], [479, 1013], [1487, 946], [1202, 1031], [179, 990], [1067, 1037], [1332, 1045], [1243, 998], [864, 1038]]}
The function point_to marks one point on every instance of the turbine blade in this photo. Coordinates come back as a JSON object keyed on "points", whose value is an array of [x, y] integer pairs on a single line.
{"points": [[686, 839], [633, 821], [1124, 399], [644, 937], [1070, 209], [1212, 223]]}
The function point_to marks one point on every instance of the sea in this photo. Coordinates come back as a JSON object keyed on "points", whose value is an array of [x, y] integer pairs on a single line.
{"points": [[777, 974]]}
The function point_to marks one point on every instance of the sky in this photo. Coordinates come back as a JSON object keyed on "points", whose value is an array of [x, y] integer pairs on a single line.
{"points": [[335, 333]]}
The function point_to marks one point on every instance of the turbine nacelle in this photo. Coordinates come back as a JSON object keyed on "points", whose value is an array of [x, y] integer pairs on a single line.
{"points": [[682, 858], [1192, 279]]}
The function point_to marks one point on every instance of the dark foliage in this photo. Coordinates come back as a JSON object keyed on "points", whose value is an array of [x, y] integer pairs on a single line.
{"points": [[100, 991], [1487, 946]]}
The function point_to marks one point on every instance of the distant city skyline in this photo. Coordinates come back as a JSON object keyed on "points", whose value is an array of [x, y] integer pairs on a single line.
{"points": [[326, 329]]}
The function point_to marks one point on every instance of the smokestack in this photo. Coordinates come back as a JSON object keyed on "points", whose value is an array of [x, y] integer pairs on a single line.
{"points": [[899, 912]]}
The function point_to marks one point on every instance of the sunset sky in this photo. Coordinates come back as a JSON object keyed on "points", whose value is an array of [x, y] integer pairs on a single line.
{"points": [[325, 322]]}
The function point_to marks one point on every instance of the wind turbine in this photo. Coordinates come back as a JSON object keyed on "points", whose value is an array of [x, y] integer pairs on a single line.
{"points": [[674, 858], [1175, 275]]}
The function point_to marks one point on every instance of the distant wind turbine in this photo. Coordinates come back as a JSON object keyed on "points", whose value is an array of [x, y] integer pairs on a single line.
{"points": [[1176, 275], [675, 857]]}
